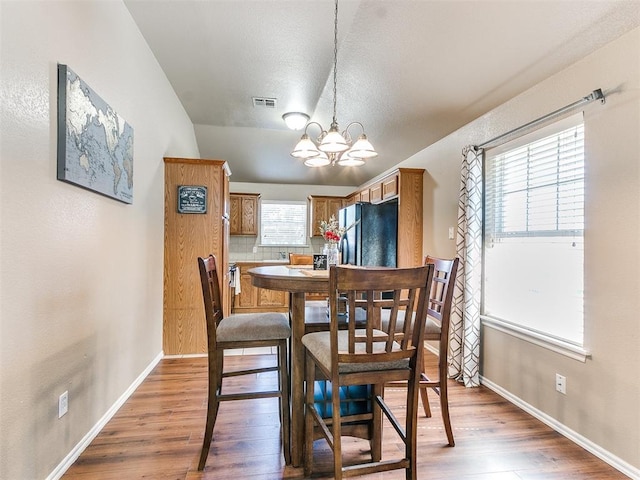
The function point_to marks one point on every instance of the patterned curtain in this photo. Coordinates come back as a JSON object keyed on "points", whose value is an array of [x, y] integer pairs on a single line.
{"points": [[464, 351]]}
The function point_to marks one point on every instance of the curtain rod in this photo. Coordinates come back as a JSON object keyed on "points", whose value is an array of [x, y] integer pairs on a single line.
{"points": [[595, 95]]}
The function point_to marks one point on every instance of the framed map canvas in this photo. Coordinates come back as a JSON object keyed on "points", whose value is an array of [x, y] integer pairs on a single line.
{"points": [[95, 144]]}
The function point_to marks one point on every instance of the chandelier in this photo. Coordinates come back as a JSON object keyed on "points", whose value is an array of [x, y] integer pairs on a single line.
{"points": [[332, 147]]}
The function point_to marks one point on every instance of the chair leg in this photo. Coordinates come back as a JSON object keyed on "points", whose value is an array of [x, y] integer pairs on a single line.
{"points": [[376, 427], [215, 380], [444, 407], [285, 413], [308, 417], [336, 431], [423, 393], [425, 401], [411, 430], [443, 366]]}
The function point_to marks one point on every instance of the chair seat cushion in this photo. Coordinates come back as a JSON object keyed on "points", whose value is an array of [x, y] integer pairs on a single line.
{"points": [[431, 328], [253, 326], [319, 345]]}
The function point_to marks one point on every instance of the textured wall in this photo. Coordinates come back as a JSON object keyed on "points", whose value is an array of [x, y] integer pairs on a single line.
{"points": [[603, 394], [81, 274]]}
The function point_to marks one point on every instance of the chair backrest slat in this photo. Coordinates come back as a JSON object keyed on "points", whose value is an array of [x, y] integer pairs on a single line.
{"points": [[441, 294], [367, 291]]}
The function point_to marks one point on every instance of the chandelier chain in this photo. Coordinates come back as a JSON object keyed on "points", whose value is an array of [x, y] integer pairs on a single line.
{"points": [[332, 147], [335, 63]]}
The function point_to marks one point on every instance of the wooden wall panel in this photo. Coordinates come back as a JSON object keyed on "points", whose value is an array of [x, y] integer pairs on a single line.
{"points": [[186, 237], [410, 219]]}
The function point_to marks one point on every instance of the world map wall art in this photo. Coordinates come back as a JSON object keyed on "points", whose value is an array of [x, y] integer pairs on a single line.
{"points": [[95, 144]]}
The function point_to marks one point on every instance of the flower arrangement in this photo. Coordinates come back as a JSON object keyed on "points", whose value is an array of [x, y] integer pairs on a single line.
{"points": [[331, 231]]}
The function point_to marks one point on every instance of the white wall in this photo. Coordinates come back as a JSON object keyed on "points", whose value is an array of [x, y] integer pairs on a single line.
{"points": [[81, 274], [603, 394]]}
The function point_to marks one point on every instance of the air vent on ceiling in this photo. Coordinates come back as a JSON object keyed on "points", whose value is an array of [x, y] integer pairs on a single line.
{"points": [[264, 102]]}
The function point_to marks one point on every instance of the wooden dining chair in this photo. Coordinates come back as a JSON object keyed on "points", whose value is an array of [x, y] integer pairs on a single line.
{"points": [[437, 330], [370, 357], [246, 330]]}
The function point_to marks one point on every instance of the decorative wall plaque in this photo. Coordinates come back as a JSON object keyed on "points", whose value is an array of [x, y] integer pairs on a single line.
{"points": [[192, 199]]}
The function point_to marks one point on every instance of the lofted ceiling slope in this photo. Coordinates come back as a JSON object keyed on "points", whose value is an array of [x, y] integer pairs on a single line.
{"points": [[410, 71]]}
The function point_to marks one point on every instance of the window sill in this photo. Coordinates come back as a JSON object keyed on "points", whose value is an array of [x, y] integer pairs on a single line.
{"points": [[544, 341]]}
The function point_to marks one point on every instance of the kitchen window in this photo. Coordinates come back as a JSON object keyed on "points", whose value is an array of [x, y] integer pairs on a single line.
{"points": [[283, 223], [534, 234]]}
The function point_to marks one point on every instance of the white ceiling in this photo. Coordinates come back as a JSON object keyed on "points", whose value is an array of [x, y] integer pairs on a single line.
{"points": [[410, 71]]}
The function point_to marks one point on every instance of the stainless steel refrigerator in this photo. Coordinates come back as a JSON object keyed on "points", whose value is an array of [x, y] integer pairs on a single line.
{"points": [[371, 238]]}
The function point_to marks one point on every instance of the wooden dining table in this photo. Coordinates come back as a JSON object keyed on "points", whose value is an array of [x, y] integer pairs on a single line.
{"points": [[298, 280]]}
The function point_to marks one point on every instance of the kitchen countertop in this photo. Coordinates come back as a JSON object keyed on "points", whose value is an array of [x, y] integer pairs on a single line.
{"points": [[271, 262]]}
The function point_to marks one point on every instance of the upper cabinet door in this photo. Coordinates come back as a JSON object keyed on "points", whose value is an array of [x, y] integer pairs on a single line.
{"points": [[243, 218], [235, 207], [321, 208]]}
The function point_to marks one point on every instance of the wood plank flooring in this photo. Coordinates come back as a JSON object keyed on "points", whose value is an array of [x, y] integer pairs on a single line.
{"points": [[157, 435]]}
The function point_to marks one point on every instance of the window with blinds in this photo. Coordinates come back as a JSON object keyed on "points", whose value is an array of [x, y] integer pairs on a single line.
{"points": [[283, 223], [534, 225]]}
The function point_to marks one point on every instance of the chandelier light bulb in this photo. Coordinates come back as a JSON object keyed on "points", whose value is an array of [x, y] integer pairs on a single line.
{"points": [[305, 148], [333, 142], [319, 161]]}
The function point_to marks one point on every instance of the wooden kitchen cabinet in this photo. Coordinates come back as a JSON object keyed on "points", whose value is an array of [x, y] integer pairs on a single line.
{"points": [[253, 299], [321, 208], [188, 236], [243, 218], [375, 192], [353, 198]]}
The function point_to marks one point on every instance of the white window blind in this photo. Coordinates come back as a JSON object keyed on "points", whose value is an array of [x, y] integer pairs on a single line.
{"points": [[534, 224], [283, 223]]}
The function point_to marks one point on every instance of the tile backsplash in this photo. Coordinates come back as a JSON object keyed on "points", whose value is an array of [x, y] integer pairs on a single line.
{"points": [[241, 249]]}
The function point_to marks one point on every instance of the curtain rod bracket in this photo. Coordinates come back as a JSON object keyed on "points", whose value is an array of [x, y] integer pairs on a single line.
{"points": [[596, 95]]}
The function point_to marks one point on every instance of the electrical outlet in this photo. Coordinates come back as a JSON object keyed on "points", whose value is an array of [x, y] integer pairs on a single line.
{"points": [[255, 249], [561, 383], [63, 404], [451, 233]]}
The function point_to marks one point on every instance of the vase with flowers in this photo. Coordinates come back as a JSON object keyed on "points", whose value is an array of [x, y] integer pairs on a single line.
{"points": [[332, 232]]}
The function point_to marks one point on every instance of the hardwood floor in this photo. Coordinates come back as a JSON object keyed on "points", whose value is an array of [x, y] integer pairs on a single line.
{"points": [[157, 435]]}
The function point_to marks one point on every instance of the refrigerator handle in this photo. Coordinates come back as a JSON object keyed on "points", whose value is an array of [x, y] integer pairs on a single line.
{"points": [[344, 248]]}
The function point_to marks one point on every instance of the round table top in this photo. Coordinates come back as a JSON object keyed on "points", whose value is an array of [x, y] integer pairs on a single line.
{"points": [[290, 278]]}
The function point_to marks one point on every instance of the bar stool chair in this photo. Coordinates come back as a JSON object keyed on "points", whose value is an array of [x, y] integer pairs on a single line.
{"points": [[241, 331], [437, 330], [368, 356]]}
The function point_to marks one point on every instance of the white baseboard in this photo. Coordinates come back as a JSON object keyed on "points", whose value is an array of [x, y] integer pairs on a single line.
{"points": [[588, 445], [432, 349], [73, 455]]}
